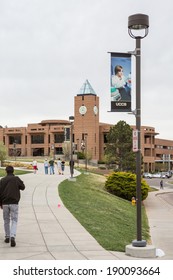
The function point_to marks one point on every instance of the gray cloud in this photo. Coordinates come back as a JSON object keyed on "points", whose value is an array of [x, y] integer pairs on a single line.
{"points": [[49, 48]]}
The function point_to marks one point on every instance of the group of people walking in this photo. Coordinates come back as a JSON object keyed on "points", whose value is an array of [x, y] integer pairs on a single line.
{"points": [[49, 166]]}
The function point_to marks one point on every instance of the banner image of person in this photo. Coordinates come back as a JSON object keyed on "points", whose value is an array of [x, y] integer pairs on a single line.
{"points": [[120, 82]]}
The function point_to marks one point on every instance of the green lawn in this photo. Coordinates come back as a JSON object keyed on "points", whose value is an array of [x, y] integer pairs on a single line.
{"points": [[16, 172], [109, 219]]}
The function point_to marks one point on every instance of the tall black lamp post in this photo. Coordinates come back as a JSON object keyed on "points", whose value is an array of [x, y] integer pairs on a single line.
{"points": [[86, 153], [138, 25], [77, 151], [53, 149], [71, 119], [15, 149]]}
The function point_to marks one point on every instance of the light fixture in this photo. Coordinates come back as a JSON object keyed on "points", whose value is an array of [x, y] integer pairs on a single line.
{"points": [[137, 23]]}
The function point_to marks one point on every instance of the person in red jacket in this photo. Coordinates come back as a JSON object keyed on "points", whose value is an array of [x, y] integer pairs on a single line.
{"points": [[10, 187]]}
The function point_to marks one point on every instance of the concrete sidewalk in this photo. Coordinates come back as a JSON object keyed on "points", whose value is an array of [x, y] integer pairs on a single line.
{"points": [[159, 208], [48, 231]]}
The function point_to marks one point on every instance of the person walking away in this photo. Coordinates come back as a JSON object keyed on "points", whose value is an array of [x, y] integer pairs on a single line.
{"points": [[46, 166], [59, 166], [51, 165], [10, 187], [63, 166], [161, 184], [71, 164], [34, 164]]}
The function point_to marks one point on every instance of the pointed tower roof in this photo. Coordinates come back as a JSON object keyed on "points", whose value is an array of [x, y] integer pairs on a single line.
{"points": [[87, 89]]}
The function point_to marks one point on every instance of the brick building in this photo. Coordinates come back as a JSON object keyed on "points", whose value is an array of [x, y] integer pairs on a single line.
{"points": [[48, 136]]}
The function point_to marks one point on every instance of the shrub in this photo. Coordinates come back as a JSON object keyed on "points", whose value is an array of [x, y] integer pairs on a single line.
{"points": [[123, 184], [3, 152], [18, 164], [101, 162], [102, 167], [80, 155]]}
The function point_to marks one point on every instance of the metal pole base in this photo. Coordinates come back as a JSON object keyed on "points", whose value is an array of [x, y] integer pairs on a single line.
{"points": [[139, 243]]}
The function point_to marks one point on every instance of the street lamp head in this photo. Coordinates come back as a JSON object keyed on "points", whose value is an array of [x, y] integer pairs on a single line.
{"points": [[71, 118], [137, 23]]}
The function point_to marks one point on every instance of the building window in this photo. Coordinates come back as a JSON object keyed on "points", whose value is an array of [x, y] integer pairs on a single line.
{"points": [[59, 151], [105, 138], [38, 152], [14, 152], [159, 147], [66, 133], [37, 139], [147, 152], [59, 137], [83, 136], [14, 139]]}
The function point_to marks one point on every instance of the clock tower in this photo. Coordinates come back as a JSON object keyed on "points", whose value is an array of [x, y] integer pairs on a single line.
{"points": [[86, 121]]}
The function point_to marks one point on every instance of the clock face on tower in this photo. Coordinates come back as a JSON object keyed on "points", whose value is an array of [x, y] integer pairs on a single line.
{"points": [[95, 109], [82, 110]]}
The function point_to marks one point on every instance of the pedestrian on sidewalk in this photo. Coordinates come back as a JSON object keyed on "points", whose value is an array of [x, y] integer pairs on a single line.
{"points": [[59, 166], [51, 165], [46, 166], [71, 164], [34, 164], [63, 166], [161, 184], [10, 187]]}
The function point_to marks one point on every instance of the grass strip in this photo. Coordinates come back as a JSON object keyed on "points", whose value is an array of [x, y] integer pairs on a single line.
{"points": [[16, 172], [109, 219]]}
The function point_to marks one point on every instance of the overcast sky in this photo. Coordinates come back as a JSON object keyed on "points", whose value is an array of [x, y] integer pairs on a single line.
{"points": [[48, 48]]}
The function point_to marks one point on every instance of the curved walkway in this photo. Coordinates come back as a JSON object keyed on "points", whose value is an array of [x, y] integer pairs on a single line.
{"points": [[159, 208], [48, 231]]}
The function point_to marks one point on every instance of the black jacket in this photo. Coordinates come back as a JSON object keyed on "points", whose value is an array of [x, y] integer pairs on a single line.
{"points": [[10, 187]]}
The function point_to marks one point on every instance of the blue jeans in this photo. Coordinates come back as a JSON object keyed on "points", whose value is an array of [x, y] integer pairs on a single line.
{"points": [[10, 213], [51, 169], [46, 169]]}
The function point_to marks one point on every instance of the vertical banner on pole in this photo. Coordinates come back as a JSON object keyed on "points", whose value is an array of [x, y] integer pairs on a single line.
{"points": [[120, 82], [66, 133], [135, 140]]}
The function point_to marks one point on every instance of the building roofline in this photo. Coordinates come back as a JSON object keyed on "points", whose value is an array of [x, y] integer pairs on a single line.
{"points": [[54, 122]]}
